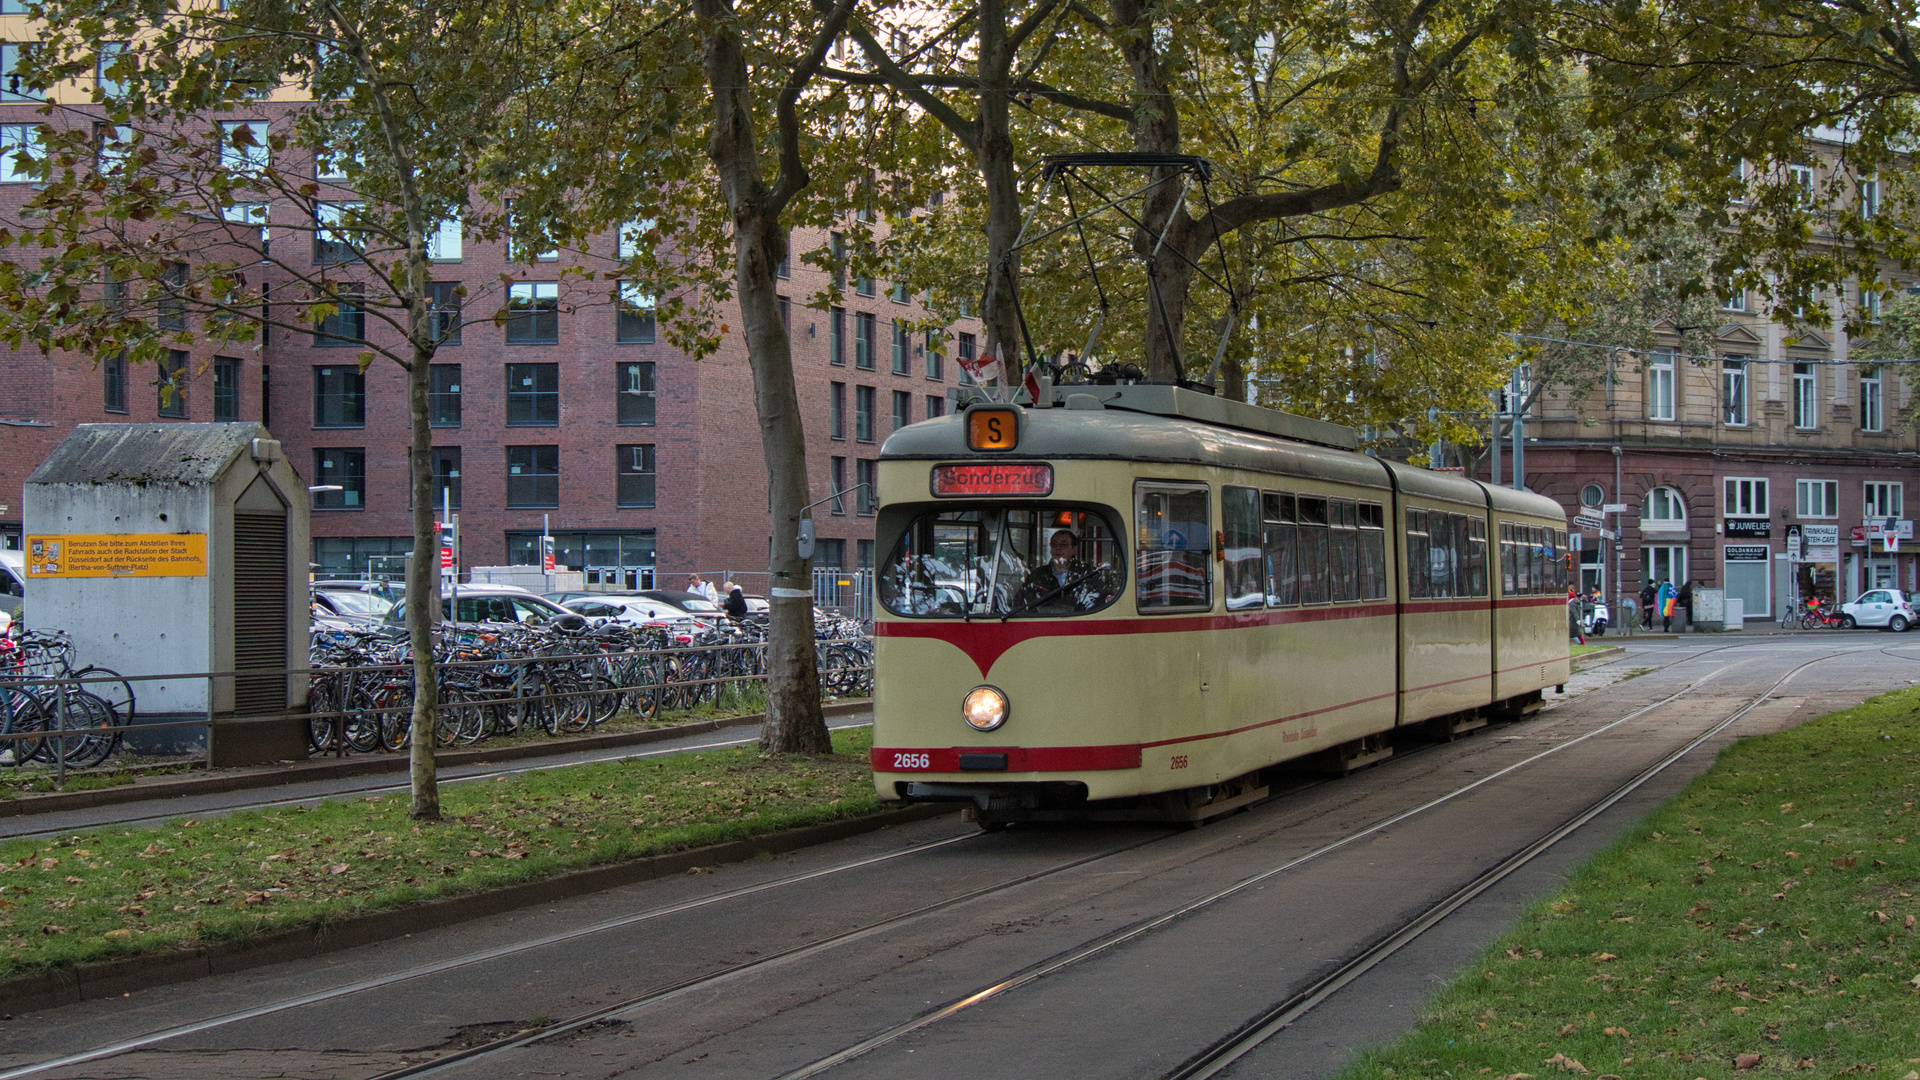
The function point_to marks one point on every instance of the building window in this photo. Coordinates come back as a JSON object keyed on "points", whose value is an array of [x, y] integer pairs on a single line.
{"points": [[170, 312], [446, 477], [1869, 198], [12, 88], [110, 87], [443, 395], [863, 404], [863, 554], [936, 361], [866, 475], [634, 323], [524, 248], [837, 411], [863, 330], [333, 238], [339, 396], [533, 313], [533, 395], [1735, 300], [1882, 500], [902, 349], [632, 240], [902, 409], [837, 255], [830, 554], [1801, 176], [963, 352], [838, 471], [1872, 417], [1746, 497], [1664, 509], [113, 374], [17, 141], [347, 325], [171, 384], [444, 244], [635, 392], [837, 337], [226, 389], [786, 314], [339, 478], [111, 145], [1806, 401], [533, 476], [633, 468], [1816, 498], [1870, 305], [243, 146], [936, 406], [784, 268], [1660, 404], [443, 312], [1733, 393], [862, 286]]}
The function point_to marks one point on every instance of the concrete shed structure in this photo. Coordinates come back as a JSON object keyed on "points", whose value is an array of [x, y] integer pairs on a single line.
{"points": [[179, 549]]}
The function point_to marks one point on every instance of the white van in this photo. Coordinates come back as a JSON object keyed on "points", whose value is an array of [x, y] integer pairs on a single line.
{"points": [[13, 581]]}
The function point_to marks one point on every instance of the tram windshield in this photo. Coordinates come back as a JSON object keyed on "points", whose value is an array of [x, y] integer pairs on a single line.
{"points": [[1005, 562]]}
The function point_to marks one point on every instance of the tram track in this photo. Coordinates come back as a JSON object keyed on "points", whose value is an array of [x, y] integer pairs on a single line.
{"points": [[1221, 1056], [1031, 973]]}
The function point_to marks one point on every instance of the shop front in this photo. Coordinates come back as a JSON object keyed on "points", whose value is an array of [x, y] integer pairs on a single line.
{"points": [[1746, 571], [1813, 552]]}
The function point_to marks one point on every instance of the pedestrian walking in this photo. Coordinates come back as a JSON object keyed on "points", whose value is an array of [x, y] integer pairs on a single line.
{"points": [[1684, 602], [1664, 599], [1647, 593]]}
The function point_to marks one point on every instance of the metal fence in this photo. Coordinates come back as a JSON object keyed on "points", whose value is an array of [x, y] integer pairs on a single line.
{"points": [[58, 723], [846, 592]]}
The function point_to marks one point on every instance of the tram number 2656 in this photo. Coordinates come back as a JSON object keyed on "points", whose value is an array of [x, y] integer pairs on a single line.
{"points": [[912, 761]]}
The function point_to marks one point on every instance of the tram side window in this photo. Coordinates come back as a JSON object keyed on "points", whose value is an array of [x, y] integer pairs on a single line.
{"points": [[1174, 539], [1313, 557], [1536, 557], [1345, 524], [1240, 520], [1417, 553], [1283, 582], [1373, 552], [1476, 560], [1441, 531]]}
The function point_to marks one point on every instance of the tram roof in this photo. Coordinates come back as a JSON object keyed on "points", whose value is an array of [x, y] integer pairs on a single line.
{"points": [[1108, 434]]}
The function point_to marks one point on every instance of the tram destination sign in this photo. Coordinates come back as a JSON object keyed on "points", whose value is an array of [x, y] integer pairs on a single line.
{"points": [[974, 479]]}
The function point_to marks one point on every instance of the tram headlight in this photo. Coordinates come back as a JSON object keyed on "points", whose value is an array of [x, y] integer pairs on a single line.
{"points": [[984, 708]]}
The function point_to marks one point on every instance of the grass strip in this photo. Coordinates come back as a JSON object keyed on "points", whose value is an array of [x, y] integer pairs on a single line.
{"points": [[1763, 922], [1582, 650], [112, 892]]}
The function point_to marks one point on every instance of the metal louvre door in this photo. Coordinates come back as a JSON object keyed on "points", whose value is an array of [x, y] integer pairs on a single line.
{"points": [[260, 612]]}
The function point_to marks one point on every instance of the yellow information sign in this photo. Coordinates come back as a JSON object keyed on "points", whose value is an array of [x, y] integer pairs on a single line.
{"points": [[118, 555]]}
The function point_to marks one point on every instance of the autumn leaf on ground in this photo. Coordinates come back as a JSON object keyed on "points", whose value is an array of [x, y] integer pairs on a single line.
{"points": [[1746, 1061], [1566, 1031], [1566, 1063], [338, 868], [1620, 1031]]}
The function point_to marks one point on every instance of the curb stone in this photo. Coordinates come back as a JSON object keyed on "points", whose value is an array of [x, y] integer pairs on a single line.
{"points": [[112, 978], [337, 768], [1589, 659]]}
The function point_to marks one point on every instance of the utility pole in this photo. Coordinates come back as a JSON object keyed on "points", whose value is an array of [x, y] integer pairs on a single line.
{"points": [[1619, 542]]}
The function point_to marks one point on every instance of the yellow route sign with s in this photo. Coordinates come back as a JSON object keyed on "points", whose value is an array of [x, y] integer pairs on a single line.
{"points": [[92, 555]]}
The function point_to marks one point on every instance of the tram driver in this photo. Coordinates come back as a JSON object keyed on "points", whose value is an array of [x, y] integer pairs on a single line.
{"points": [[1066, 581]]}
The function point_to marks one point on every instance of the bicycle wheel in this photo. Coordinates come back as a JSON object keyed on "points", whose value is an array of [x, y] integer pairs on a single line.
{"points": [[118, 692], [22, 712], [323, 726], [86, 730]]}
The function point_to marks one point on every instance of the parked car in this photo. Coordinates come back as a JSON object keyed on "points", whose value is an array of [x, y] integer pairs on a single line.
{"points": [[1889, 608], [341, 610], [352, 602], [689, 603], [610, 607], [491, 603], [13, 582]]}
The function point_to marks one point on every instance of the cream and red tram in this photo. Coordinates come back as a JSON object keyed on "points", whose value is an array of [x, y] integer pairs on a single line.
{"points": [[1131, 604]]}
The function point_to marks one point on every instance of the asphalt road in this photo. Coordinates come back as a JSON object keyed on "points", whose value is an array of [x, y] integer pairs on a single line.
{"points": [[782, 967]]}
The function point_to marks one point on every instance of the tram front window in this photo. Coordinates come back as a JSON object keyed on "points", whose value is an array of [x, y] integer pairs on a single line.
{"points": [[1003, 561]]}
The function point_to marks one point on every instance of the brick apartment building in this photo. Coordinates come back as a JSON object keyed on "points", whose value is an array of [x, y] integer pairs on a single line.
{"points": [[575, 415]]}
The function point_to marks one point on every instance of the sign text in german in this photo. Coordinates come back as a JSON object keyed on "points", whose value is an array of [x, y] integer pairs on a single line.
{"points": [[118, 555]]}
